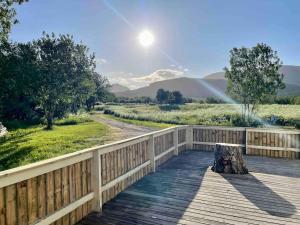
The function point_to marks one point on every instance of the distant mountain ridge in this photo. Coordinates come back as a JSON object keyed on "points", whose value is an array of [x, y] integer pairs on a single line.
{"points": [[211, 85], [116, 88], [291, 74]]}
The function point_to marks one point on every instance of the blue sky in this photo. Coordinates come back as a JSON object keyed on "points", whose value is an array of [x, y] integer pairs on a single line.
{"points": [[192, 38]]}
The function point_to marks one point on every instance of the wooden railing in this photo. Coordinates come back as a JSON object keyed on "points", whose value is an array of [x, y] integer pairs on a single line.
{"points": [[64, 189], [273, 143], [255, 141]]}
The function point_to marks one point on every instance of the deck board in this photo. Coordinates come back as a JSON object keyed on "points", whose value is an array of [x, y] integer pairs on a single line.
{"points": [[185, 191]]}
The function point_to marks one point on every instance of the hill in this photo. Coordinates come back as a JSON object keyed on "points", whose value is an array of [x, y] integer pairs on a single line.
{"points": [[291, 74], [211, 85], [190, 87], [115, 88]]}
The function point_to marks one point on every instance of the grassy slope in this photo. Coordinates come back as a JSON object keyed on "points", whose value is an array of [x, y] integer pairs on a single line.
{"points": [[23, 146], [207, 114]]}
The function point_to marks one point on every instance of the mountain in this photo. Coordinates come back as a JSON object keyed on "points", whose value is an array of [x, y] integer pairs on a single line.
{"points": [[189, 87], [211, 85], [116, 88], [291, 75], [215, 76]]}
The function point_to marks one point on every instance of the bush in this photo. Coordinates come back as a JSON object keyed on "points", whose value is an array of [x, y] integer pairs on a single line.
{"points": [[284, 100], [108, 111], [297, 100], [169, 107], [221, 119], [281, 121], [100, 108], [16, 124], [239, 121], [72, 120], [214, 100]]}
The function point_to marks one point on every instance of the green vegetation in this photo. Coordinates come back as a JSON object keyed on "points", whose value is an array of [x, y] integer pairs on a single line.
{"points": [[169, 97], [7, 17], [253, 77], [52, 76], [32, 143], [44, 80], [204, 114], [140, 122]]}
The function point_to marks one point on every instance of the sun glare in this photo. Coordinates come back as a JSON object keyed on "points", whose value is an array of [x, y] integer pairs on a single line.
{"points": [[146, 38]]}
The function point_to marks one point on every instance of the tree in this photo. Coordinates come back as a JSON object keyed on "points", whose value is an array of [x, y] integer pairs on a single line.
{"points": [[169, 97], [162, 96], [253, 76], [7, 17], [18, 82], [47, 78], [178, 98], [65, 74], [100, 92]]}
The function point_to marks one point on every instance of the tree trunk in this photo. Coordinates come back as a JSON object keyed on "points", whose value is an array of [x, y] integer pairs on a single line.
{"points": [[49, 122], [229, 159]]}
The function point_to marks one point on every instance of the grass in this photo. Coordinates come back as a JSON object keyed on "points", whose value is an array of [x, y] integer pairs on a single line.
{"points": [[33, 143], [203, 114], [140, 122]]}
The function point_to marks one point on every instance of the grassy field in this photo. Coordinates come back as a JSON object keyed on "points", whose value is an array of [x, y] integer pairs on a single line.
{"points": [[139, 122], [33, 143], [205, 114]]}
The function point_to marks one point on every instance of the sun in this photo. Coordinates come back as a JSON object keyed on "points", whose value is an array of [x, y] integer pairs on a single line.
{"points": [[146, 38]]}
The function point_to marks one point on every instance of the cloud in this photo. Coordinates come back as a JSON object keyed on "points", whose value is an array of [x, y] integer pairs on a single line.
{"points": [[159, 75], [181, 68], [100, 61], [133, 82]]}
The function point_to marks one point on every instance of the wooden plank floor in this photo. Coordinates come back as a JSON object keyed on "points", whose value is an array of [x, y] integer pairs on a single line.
{"points": [[185, 191]]}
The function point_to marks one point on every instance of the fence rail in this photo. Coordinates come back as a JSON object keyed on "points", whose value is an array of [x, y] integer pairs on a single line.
{"points": [[64, 189], [273, 143], [256, 141]]}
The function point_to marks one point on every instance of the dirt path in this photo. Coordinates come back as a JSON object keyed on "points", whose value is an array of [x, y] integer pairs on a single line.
{"points": [[122, 130]]}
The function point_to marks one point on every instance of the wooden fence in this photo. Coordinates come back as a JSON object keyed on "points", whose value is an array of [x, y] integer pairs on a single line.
{"points": [[255, 141], [273, 143], [63, 190]]}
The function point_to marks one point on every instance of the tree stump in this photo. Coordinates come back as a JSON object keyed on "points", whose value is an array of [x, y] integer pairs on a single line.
{"points": [[229, 159]]}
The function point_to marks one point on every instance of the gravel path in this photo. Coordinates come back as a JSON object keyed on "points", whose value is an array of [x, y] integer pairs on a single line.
{"points": [[121, 129]]}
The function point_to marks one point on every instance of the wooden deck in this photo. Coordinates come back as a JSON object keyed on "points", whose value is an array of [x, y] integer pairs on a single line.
{"points": [[185, 191]]}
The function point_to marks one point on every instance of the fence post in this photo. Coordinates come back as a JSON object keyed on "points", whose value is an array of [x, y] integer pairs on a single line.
{"points": [[190, 137], [97, 181], [152, 152], [175, 139]]}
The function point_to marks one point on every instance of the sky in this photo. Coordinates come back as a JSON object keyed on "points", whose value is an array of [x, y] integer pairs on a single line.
{"points": [[191, 38]]}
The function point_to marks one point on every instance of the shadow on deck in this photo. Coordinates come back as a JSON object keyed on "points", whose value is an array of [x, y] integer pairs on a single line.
{"points": [[185, 191]]}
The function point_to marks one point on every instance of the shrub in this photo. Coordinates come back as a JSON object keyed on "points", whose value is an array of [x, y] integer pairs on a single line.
{"points": [[100, 108], [16, 124], [72, 120], [108, 111], [214, 100], [297, 100], [221, 119], [239, 121], [168, 107]]}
